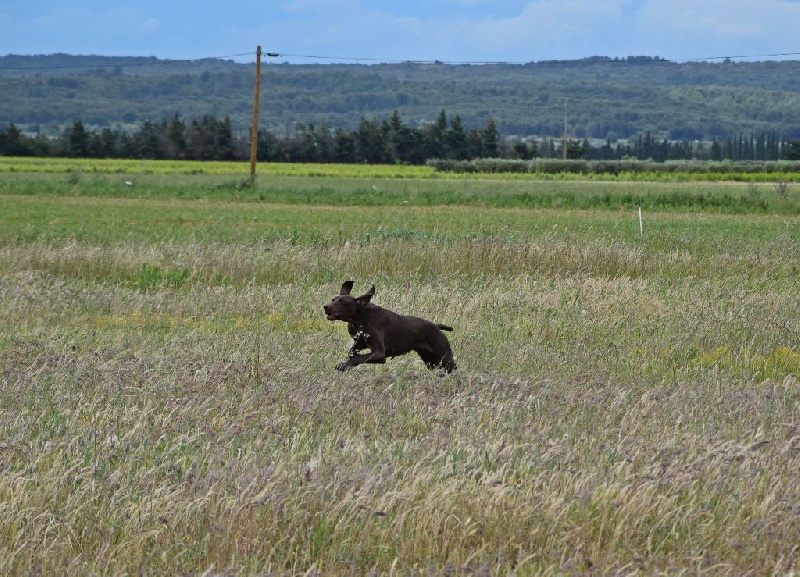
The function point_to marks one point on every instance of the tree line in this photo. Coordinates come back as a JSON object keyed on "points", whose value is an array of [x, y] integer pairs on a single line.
{"points": [[373, 141]]}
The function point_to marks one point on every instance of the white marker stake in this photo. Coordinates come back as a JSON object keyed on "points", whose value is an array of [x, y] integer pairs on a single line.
{"points": [[641, 229]]}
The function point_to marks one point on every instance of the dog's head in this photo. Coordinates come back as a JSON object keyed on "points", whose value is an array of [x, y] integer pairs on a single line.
{"points": [[347, 308]]}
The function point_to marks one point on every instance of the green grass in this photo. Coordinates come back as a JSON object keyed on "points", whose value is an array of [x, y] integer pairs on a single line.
{"points": [[80, 166], [345, 185], [168, 404]]}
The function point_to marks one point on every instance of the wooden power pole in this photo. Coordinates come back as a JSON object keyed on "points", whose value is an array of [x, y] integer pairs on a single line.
{"points": [[254, 128], [564, 142]]}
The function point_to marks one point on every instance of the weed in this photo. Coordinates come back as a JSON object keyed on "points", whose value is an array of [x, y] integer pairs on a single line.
{"points": [[150, 277], [74, 176], [781, 187]]}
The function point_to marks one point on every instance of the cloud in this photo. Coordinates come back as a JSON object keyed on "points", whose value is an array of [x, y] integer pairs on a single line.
{"points": [[349, 29], [564, 28], [521, 30], [670, 28], [311, 8], [553, 20], [104, 22], [77, 30], [149, 26], [739, 27], [449, 30], [474, 33]]}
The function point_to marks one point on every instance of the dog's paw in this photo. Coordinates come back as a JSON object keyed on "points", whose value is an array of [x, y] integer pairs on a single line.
{"points": [[343, 366]]}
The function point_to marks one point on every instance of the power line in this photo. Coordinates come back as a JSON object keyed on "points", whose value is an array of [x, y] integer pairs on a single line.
{"points": [[587, 60], [389, 60], [744, 56], [149, 62]]}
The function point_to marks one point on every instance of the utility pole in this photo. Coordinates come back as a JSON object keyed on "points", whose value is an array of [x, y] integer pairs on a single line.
{"points": [[254, 128], [564, 142]]}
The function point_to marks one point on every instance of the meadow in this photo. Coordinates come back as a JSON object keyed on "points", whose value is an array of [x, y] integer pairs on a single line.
{"points": [[626, 402]]}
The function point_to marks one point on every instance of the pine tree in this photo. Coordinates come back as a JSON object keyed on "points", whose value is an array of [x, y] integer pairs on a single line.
{"points": [[457, 140], [77, 140], [176, 140], [490, 139]]}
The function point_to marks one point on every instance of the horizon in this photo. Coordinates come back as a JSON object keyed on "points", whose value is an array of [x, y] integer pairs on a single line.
{"points": [[279, 59]]}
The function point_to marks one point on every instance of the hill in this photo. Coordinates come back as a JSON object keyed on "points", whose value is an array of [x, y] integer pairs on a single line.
{"points": [[603, 97]]}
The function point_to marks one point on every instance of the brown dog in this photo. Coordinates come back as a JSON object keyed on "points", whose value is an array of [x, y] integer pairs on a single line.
{"points": [[387, 334]]}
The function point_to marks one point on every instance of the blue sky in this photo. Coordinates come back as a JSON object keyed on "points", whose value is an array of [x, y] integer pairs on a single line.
{"points": [[383, 30]]}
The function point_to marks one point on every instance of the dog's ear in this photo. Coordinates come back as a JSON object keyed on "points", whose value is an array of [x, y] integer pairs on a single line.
{"points": [[365, 298], [347, 286]]}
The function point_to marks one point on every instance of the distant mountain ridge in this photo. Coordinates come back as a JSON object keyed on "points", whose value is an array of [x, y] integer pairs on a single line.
{"points": [[601, 97]]}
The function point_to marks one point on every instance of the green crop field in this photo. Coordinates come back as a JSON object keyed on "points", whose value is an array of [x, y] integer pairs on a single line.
{"points": [[626, 402]]}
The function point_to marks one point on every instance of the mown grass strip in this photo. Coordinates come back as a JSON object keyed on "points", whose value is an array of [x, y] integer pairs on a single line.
{"points": [[729, 198]]}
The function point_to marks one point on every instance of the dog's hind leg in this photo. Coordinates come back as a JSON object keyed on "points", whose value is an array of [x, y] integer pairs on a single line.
{"points": [[434, 361], [440, 358]]}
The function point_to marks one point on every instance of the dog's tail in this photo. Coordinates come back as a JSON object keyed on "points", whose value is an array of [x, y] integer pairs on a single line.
{"points": [[444, 327]]}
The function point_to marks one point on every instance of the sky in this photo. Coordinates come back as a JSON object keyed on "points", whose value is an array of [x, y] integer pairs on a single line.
{"points": [[306, 31]]}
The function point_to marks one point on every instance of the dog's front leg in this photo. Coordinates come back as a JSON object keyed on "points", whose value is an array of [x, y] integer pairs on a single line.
{"points": [[356, 360], [377, 355], [354, 350], [353, 360], [359, 335]]}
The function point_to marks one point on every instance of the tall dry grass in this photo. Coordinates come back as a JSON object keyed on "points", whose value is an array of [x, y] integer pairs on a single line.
{"points": [[620, 408]]}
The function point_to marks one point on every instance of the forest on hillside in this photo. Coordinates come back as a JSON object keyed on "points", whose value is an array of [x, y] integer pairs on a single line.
{"points": [[600, 98]]}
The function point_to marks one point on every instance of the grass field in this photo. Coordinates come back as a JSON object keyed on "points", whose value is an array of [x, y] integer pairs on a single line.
{"points": [[624, 404]]}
